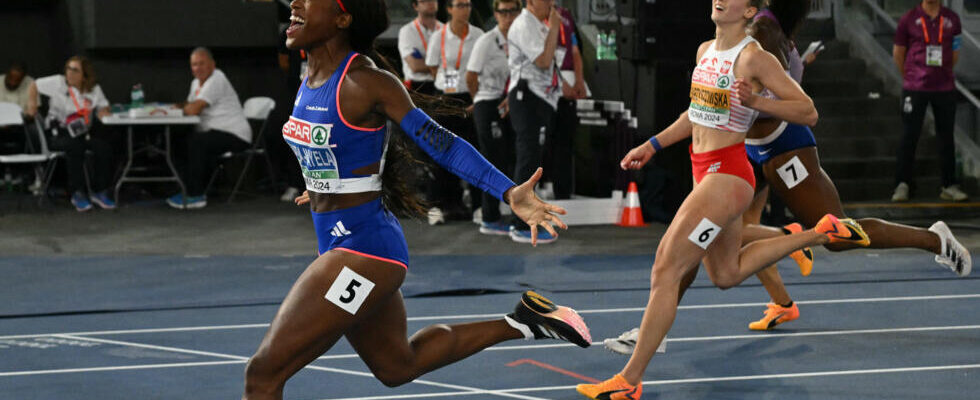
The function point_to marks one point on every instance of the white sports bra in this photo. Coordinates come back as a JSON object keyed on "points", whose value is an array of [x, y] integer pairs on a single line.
{"points": [[712, 104]]}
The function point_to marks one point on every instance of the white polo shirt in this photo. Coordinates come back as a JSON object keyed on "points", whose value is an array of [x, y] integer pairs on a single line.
{"points": [[414, 38], [224, 111], [526, 39], [19, 96], [63, 104], [434, 58], [489, 60]]}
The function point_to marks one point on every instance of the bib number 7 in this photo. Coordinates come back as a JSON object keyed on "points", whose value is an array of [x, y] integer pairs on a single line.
{"points": [[349, 290]]}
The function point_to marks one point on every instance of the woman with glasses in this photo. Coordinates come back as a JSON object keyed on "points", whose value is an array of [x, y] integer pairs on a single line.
{"points": [[76, 103]]}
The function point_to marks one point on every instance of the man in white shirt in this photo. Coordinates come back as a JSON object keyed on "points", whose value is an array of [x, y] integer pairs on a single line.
{"points": [[449, 49], [17, 88], [534, 91], [223, 127], [487, 73], [413, 45]]}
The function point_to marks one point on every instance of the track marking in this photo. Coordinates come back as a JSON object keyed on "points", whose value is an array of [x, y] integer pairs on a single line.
{"points": [[498, 315], [119, 368], [553, 368], [241, 359], [702, 380]]}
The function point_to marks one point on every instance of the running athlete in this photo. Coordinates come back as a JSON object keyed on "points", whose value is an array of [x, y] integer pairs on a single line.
{"points": [[726, 95], [786, 155], [338, 133]]}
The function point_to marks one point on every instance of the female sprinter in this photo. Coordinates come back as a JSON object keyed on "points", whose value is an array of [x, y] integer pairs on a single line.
{"points": [[726, 96], [338, 133], [787, 156], [772, 145]]}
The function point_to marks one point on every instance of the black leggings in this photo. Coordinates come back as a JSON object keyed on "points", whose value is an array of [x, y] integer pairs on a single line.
{"points": [[99, 144], [496, 144], [913, 113], [203, 150]]}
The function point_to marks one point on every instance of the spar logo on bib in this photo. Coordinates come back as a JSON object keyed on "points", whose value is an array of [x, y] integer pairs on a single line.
{"points": [[724, 81], [320, 135], [297, 129]]}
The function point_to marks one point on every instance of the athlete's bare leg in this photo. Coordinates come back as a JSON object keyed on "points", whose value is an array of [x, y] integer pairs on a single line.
{"points": [[677, 255], [307, 325], [753, 231]]}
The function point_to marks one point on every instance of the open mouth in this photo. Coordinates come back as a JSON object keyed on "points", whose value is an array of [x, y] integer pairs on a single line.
{"points": [[295, 23], [719, 7]]}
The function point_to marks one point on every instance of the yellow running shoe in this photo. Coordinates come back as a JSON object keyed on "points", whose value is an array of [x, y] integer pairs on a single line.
{"points": [[804, 256], [842, 230], [775, 315], [615, 388]]}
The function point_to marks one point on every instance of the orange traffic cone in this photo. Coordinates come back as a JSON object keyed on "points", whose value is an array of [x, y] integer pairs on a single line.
{"points": [[632, 216]]}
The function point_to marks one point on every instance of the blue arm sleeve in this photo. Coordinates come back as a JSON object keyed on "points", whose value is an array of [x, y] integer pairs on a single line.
{"points": [[455, 154], [957, 42]]}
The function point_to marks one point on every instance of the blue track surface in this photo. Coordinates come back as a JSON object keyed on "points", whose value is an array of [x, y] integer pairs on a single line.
{"points": [[873, 326]]}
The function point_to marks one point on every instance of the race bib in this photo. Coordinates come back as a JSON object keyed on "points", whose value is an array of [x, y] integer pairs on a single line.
{"points": [[349, 290], [310, 143], [793, 172], [709, 105], [934, 56]]}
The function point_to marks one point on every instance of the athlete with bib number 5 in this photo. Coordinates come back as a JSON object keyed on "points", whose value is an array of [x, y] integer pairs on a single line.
{"points": [[733, 81], [338, 132]]}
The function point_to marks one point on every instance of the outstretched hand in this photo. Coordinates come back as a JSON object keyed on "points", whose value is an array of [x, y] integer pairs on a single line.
{"points": [[638, 157], [529, 208], [303, 198]]}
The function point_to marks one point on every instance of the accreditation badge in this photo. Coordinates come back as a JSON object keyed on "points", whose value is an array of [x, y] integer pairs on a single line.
{"points": [[934, 55], [451, 82]]}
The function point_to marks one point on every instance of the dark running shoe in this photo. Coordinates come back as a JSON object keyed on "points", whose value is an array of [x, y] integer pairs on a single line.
{"points": [[539, 317]]}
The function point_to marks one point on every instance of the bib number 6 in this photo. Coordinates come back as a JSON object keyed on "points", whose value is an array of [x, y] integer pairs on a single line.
{"points": [[349, 290], [704, 233]]}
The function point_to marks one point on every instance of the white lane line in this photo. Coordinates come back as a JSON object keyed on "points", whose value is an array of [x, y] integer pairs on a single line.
{"points": [[701, 380], [241, 359], [484, 316], [119, 368], [669, 339]]}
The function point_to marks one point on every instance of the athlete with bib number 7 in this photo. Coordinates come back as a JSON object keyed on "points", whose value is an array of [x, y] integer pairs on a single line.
{"points": [[733, 81]]}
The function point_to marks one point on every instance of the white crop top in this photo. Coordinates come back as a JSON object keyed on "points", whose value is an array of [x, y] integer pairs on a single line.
{"points": [[712, 103]]}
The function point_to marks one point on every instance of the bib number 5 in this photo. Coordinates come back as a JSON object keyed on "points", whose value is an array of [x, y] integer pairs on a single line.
{"points": [[349, 290]]}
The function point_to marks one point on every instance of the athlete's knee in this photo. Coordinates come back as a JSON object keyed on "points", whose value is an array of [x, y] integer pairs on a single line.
{"points": [[261, 377], [724, 278]]}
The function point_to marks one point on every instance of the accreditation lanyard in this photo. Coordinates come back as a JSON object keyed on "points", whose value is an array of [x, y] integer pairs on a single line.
{"points": [[555, 66], [925, 32], [425, 43], [462, 41], [81, 110]]}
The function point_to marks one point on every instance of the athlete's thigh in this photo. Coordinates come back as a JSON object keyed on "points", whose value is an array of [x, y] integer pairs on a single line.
{"points": [[705, 218], [382, 339], [723, 254], [813, 195], [336, 292]]}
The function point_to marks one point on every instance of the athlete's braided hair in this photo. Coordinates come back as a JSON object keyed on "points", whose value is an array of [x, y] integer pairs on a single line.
{"points": [[369, 18]]}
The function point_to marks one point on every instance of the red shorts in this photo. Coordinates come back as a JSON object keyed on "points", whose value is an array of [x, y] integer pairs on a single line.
{"points": [[731, 160]]}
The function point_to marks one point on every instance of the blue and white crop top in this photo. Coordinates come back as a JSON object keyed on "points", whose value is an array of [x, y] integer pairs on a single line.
{"points": [[329, 148]]}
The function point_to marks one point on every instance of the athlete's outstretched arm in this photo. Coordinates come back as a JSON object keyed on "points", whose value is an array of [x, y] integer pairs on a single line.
{"points": [[793, 105], [459, 157], [640, 155]]}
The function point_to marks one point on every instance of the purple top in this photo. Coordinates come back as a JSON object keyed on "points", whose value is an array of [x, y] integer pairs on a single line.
{"points": [[568, 39], [919, 76]]}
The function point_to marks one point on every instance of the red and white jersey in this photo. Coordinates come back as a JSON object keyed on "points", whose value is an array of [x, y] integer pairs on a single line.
{"points": [[712, 103]]}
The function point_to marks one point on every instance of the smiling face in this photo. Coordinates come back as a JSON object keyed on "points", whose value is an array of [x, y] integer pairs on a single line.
{"points": [[728, 11], [313, 22]]}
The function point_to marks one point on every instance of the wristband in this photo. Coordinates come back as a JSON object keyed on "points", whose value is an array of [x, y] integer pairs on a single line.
{"points": [[656, 144]]}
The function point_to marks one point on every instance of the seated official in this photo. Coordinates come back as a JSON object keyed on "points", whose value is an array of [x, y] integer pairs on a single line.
{"points": [[75, 102], [223, 127]]}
